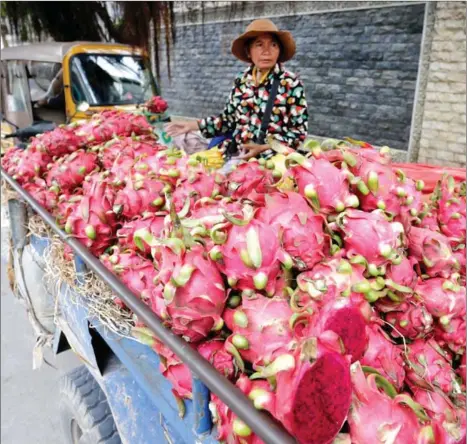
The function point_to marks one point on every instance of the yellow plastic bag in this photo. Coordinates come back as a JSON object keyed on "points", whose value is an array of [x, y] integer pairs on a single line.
{"points": [[212, 158]]}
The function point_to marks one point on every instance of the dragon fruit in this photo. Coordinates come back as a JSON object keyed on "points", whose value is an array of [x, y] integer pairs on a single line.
{"points": [[125, 235], [313, 389], [250, 181], [140, 197], [197, 185], [461, 371], [156, 105], [168, 165], [93, 221], [402, 274], [370, 235], [258, 318], [377, 417], [251, 256], [108, 124], [434, 251], [448, 421], [69, 172], [10, 159], [300, 229], [28, 166], [427, 366], [451, 212], [39, 190], [443, 298], [194, 291], [452, 335], [322, 183], [58, 142], [332, 273], [411, 320], [383, 356], [348, 317], [136, 272], [133, 147]]}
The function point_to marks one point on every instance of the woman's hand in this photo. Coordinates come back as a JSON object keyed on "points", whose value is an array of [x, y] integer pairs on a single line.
{"points": [[174, 129], [252, 150]]}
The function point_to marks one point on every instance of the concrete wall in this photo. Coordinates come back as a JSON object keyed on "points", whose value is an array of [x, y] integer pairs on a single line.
{"points": [[385, 72], [443, 130]]}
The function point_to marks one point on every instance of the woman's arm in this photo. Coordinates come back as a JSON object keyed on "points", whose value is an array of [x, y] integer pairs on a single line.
{"points": [[209, 126]]}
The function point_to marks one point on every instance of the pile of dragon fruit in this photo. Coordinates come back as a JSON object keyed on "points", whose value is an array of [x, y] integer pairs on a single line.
{"points": [[331, 291]]}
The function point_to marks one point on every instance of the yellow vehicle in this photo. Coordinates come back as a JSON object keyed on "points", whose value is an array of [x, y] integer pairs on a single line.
{"points": [[60, 82]]}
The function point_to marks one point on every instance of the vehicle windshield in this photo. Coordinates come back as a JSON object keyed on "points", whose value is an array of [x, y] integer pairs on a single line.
{"points": [[102, 80]]}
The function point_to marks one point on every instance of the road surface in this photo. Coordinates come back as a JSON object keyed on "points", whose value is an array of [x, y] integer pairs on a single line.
{"points": [[29, 401]]}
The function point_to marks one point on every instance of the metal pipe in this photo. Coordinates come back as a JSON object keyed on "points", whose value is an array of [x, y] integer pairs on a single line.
{"points": [[231, 395]]}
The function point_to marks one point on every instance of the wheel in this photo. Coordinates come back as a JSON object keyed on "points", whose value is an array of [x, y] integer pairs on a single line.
{"points": [[84, 412]]}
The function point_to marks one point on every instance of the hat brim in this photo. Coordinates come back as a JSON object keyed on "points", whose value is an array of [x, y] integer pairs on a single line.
{"points": [[285, 37]]}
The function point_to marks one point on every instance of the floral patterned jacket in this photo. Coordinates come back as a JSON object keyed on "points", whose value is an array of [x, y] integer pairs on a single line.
{"points": [[244, 110]]}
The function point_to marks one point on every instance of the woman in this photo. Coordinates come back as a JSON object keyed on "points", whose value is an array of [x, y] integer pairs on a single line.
{"points": [[264, 47]]}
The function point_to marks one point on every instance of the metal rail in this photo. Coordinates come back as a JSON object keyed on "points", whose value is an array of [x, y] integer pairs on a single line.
{"points": [[232, 396]]}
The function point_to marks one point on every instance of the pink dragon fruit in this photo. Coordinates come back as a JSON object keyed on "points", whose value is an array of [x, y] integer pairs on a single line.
{"points": [[136, 146], [443, 298], [377, 187], [168, 165], [140, 197], [125, 235], [348, 317], [28, 165], [258, 318], [92, 221], [196, 185], [194, 292], [376, 417], [434, 251], [10, 159], [108, 124], [69, 172], [402, 274], [136, 272], [370, 235], [452, 335], [251, 257], [411, 320], [250, 181], [451, 212], [448, 421], [178, 373], [429, 220], [427, 366], [335, 273], [300, 229], [40, 191], [323, 184], [210, 212], [313, 389], [58, 142], [156, 105], [383, 356]]}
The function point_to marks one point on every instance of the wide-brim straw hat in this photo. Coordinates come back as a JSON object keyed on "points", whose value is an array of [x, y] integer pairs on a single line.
{"points": [[258, 27]]}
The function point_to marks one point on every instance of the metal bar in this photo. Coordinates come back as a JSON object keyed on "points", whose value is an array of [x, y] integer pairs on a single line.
{"points": [[231, 395]]}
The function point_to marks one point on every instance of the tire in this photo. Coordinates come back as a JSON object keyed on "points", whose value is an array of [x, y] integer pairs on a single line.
{"points": [[84, 412]]}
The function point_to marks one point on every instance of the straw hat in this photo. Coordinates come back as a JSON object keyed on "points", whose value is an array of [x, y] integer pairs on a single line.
{"points": [[258, 27]]}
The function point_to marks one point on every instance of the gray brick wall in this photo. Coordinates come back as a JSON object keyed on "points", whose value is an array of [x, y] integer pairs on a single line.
{"points": [[359, 69]]}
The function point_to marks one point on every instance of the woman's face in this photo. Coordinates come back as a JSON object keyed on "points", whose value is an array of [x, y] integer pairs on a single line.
{"points": [[264, 51]]}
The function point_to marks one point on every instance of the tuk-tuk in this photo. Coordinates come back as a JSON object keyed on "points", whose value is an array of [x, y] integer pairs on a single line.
{"points": [[53, 83]]}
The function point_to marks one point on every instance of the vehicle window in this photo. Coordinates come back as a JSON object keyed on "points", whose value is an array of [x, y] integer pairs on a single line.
{"points": [[110, 79], [41, 75], [18, 97]]}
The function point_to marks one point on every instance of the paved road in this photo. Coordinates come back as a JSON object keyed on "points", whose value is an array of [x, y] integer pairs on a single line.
{"points": [[29, 400]]}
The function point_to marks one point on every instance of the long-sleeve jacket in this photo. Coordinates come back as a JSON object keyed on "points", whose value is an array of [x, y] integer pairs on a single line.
{"points": [[245, 107]]}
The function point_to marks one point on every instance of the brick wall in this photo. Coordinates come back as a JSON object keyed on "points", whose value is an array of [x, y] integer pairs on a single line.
{"points": [[359, 68], [443, 133]]}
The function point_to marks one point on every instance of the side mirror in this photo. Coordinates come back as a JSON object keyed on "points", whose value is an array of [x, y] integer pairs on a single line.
{"points": [[82, 107]]}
